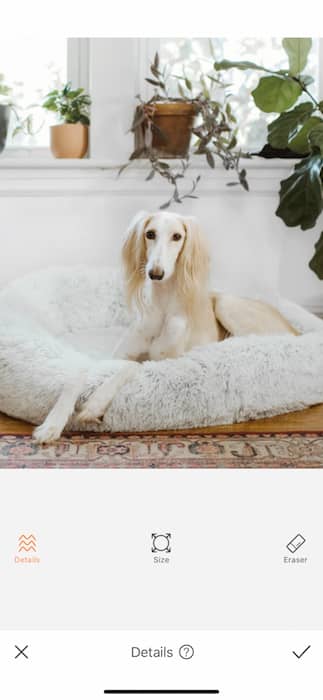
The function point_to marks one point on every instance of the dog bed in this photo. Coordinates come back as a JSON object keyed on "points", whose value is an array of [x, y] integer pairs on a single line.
{"points": [[59, 320]]}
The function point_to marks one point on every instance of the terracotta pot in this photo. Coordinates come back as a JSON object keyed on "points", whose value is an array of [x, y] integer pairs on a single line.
{"points": [[69, 140], [174, 122]]}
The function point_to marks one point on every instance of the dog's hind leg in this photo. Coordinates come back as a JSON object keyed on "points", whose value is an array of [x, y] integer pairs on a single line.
{"points": [[97, 404], [241, 316], [53, 426]]}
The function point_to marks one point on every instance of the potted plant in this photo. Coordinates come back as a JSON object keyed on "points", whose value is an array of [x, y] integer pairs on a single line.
{"points": [[191, 123], [69, 139], [5, 105], [298, 128]]}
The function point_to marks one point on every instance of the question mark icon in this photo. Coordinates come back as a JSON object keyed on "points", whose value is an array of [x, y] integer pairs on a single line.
{"points": [[186, 651]]}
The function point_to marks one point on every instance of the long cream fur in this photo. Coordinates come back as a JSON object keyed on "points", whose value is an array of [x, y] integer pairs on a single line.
{"points": [[201, 316]]}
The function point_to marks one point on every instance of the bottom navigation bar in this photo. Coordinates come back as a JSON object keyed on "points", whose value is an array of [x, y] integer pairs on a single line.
{"points": [[89, 665]]}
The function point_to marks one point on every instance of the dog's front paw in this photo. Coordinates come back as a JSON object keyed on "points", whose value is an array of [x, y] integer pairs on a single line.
{"points": [[91, 412], [49, 431]]}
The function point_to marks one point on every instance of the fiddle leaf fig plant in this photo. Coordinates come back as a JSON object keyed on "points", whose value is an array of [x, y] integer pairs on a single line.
{"points": [[298, 127]]}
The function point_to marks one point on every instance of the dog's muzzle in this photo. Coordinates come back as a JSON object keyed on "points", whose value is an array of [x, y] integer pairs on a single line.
{"points": [[156, 274]]}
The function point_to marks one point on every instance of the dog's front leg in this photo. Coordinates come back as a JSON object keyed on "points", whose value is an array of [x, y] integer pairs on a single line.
{"points": [[172, 340], [95, 407], [53, 426]]}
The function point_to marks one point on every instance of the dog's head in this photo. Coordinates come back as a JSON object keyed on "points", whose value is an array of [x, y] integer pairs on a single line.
{"points": [[161, 246]]}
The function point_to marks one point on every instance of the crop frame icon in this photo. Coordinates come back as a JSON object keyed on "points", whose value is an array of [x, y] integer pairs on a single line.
{"points": [[161, 542]]}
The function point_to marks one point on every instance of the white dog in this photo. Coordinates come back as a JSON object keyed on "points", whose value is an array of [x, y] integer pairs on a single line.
{"points": [[166, 263]]}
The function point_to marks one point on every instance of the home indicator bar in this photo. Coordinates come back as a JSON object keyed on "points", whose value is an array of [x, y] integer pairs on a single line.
{"points": [[145, 691]]}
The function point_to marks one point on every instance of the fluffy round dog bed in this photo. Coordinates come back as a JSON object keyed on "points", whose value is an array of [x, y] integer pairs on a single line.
{"points": [[58, 320]]}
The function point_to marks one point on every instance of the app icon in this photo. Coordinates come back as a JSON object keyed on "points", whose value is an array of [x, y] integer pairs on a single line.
{"points": [[295, 543], [27, 543], [161, 542]]}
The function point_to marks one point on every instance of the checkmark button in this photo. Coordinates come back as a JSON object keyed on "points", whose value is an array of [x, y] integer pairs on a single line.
{"points": [[299, 656]]}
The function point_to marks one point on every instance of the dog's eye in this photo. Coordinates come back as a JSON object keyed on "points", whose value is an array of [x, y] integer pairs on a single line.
{"points": [[151, 235], [177, 237]]}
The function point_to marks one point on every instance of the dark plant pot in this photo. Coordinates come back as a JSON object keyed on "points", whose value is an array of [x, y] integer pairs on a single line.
{"points": [[171, 133], [4, 123]]}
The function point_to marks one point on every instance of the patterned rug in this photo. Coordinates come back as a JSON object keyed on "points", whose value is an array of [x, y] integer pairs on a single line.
{"points": [[162, 451]]}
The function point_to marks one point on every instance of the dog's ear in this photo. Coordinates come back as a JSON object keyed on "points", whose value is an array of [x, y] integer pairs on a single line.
{"points": [[194, 262], [134, 256]]}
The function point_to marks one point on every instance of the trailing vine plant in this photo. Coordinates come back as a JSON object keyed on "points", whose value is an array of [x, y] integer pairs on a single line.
{"points": [[214, 135]]}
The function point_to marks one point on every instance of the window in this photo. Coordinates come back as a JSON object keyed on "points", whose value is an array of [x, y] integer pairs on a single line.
{"points": [[31, 70], [197, 56]]}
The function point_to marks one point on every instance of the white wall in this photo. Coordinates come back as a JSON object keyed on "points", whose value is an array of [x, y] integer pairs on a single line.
{"points": [[62, 214]]}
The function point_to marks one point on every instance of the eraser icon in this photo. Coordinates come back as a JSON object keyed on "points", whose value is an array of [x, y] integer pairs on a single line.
{"points": [[295, 543]]}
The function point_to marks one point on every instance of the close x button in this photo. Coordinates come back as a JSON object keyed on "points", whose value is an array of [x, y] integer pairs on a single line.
{"points": [[21, 652]]}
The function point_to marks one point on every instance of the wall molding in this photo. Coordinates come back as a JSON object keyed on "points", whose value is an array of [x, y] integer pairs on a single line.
{"points": [[65, 178]]}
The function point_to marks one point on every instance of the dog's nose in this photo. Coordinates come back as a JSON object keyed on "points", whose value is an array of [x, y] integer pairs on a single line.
{"points": [[156, 273]]}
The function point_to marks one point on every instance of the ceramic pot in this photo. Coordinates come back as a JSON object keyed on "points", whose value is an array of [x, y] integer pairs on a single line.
{"points": [[69, 140]]}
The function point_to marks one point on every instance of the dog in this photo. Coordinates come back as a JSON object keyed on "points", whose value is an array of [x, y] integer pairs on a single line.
{"points": [[166, 262]]}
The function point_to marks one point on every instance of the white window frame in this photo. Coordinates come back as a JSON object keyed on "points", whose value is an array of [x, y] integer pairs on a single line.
{"points": [[78, 72], [113, 71]]}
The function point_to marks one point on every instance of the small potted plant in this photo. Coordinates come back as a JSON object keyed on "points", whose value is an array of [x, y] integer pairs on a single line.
{"points": [[5, 107], [69, 139], [164, 124], [194, 122]]}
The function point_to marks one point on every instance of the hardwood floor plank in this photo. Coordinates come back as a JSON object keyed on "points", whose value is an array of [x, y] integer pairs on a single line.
{"points": [[311, 419]]}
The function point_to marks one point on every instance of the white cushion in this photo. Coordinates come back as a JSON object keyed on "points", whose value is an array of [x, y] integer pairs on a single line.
{"points": [[60, 319]]}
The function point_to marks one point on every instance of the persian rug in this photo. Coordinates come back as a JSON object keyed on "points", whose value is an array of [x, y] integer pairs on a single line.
{"points": [[165, 451]]}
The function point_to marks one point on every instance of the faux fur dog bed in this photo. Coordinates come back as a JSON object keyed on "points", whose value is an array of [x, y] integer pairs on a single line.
{"points": [[58, 320]]}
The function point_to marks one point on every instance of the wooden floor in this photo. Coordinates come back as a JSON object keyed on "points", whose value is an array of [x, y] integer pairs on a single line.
{"points": [[309, 420]]}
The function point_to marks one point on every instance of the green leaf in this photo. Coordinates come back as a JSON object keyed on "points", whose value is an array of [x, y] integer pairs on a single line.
{"points": [[297, 51], [210, 158], [158, 83], [307, 80], [151, 175], [181, 91], [301, 194], [316, 264], [285, 127], [300, 144], [275, 94], [164, 166], [315, 137], [241, 65]]}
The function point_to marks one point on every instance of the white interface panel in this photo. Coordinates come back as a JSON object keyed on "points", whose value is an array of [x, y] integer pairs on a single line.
{"points": [[110, 549], [168, 665]]}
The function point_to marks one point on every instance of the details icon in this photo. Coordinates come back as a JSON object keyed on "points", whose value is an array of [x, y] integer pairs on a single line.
{"points": [[27, 543]]}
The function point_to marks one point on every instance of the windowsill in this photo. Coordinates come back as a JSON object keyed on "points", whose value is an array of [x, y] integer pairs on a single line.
{"points": [[48, 162], [49, 176]]}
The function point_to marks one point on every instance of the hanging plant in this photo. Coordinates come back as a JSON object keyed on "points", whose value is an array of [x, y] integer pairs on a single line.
{"points": [[177, 128]]}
